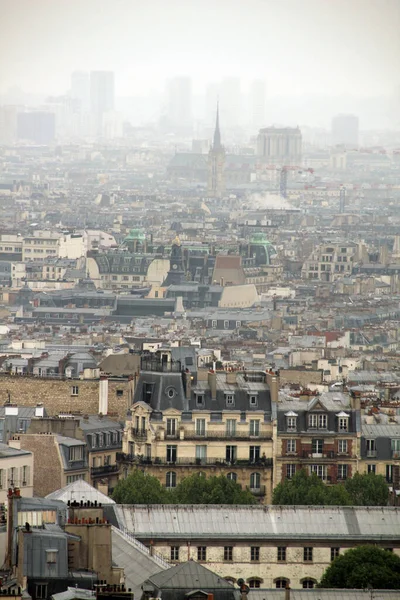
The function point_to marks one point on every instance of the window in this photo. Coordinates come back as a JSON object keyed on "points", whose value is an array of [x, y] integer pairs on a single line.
{"points": [[214, 324], [25, 475], [290, 471], [291, 423], [334, 553], [253, 399], [342, 472], [72, 478], [255, 481], [51, 556], [171, 454], [231, 427], [231, 453], [41, 591], [389, 473], [320, 471], [290, 446], [307, 554], [170, 479], [255, 553], [371, 469], [281, 583], [317, 446], [254, 427], [232, 477], [201, 553], [342, 446], [230, 399], [395, 446], [371, 449], [228, 553], [254, 583], [226, 324], [317, 421], [174, 552], [201, 427], [281, 553], [119, 393], [308, 583], [201, 455], [199, 399], [74, 390], [76, 453], [171, 427], [254, 454], [343, 423]]}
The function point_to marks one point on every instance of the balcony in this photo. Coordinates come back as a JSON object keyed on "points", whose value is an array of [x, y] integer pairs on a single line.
{"points": [[224, 435], [371, 453], [259, 491], [396, 454], [103, 470], [139, 434], [210, 462], [129, 458], [327, 455]]}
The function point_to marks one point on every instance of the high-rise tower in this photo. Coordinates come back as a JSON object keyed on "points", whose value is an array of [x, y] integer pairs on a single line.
{"points": [[216, 164]]}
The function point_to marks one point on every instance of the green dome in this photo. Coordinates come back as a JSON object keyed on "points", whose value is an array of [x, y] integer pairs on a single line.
{"points": [[135, 234], [259, 238]]}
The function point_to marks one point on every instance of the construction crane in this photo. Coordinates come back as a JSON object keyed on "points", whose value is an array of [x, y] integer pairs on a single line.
{"points": [[283, 177]]}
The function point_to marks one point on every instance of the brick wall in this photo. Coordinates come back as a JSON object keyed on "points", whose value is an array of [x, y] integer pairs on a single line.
{"points": [[48, 471], [56, 394]]}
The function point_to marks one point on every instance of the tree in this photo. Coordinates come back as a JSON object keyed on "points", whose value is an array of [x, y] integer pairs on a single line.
{"points": [[368, 490], [197, 489], [363, 567], [310, 490], [140, 488]]}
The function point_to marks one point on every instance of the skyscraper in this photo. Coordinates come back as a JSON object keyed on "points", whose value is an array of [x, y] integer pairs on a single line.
{"points": [[257, 103], [101, 94], [216, 164], [345, 130], [179, 104], [36, 126], [231, 101], [80, 89]]}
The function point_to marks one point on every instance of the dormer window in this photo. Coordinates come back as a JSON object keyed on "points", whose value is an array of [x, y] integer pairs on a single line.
{"points": [[317, 421], [230, 398], [199, 398], [253, 399], [291, 421], [343, 421]]}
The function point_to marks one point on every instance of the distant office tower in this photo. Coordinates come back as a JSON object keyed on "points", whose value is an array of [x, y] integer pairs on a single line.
{"points": [[345, 130], [80, 89], [102, 95], [216, 164], [231, 101], [36, 126], [179, 104], [257, 103], [280, 145], [8, 123]]}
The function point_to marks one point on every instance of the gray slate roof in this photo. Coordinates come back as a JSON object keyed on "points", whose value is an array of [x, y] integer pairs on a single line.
{"points": [[321, 594], [189, 575], [266, 522]]}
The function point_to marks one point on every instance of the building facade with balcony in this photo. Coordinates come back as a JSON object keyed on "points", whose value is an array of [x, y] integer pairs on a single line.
{"points": [[321, 436], [380, 446], [214, 423]]}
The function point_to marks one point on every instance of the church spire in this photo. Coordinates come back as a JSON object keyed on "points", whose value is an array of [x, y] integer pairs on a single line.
{"points": [[217, 133]]}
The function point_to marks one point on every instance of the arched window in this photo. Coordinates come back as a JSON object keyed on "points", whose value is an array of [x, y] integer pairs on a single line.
{"points": [[281, 582], [170, 480], [232, 477], [255, 481], [254, 582], [308, 583], [230, 579]]}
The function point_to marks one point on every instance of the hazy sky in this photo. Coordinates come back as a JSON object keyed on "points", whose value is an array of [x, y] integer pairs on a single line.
{"points": [[298, 46]]}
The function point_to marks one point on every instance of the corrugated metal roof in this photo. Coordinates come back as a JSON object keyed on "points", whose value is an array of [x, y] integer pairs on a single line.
{"points": [[268, 522], [80, 490]]}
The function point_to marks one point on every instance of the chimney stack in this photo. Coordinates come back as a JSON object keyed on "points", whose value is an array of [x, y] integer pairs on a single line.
{"points": [[212, 382], [273, 382], [103, 395]]}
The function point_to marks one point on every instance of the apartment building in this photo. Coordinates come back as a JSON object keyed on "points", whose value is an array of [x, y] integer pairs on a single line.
{"points": [[380, 445], [39, 246], [183, 422], [269, 547], [330, 261], [16, 469], [321, 435]]}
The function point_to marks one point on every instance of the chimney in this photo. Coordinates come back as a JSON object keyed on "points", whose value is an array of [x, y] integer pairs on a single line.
{"points": [[103, 395], [355, 401], [212, 382], [187, 383], [273, 382], [231, 377], [11, 410], [39, 410]]}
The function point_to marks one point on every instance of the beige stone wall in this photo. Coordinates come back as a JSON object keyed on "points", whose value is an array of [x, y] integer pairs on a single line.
{"points": [[299, 376], [48, 471], [56, 394], [268, 569]]}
